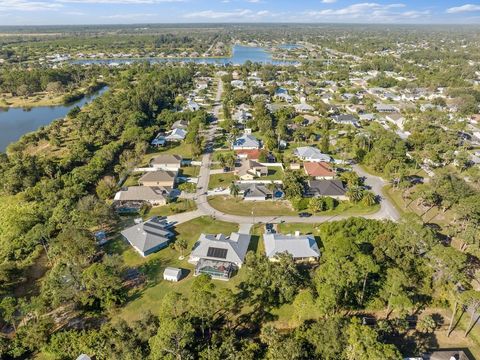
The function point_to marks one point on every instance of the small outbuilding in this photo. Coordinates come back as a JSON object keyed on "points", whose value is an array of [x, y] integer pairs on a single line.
{"points": [[172, 274]]}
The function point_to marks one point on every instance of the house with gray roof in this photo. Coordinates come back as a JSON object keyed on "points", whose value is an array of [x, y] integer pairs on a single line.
{"points": [[309, 153], [246, 142], [219, 255], [149, 236], [162, 178], [257, 192], [154, 195], [176, 134], [167, 162], [301, 247], [331, 188]]}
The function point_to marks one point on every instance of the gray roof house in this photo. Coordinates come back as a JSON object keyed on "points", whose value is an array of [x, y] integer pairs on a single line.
{"points": [[154, 195], [257, 192], [218, 255], [309, 153], [176, 134], [167, 162], [345, 119], [246, 142], [149, 236], [301, 247], [331, 188]]}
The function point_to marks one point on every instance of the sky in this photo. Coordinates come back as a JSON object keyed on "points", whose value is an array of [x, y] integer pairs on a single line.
{"points": [[62, 12]]}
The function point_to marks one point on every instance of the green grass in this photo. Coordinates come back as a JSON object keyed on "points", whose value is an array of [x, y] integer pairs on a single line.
{"points": [[132, 179], [274, 173], [304, 228], [190, 171], [183, 149], [221, 180], [236, 206], [149, 297], [180, 206]]}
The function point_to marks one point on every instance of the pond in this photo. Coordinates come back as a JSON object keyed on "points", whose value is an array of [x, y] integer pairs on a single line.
{"points": [[240, 55], [16, 122]]}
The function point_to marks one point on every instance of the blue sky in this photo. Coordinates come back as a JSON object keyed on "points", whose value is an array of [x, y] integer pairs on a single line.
{"points": [[47, 12]]}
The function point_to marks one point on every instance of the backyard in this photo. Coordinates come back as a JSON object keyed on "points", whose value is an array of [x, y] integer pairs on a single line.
{"points": [[149, 297]]}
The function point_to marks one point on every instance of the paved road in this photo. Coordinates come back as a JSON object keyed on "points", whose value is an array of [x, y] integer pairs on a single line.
{"points": [[387, 210]]}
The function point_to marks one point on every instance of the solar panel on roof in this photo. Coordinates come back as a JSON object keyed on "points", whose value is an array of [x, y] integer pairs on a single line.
{"points": [[217, 253]]}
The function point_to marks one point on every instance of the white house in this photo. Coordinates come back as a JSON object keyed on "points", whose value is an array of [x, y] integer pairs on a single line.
{"points": [[176, 135], [311, 154], [246, 142], [301, 247]]}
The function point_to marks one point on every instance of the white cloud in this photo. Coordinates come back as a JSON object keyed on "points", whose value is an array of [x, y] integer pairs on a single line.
{"points": [[131, 16], [27, 5], [328, 1], [367, 12], [244, 14], [464, 8], [127, 2]]}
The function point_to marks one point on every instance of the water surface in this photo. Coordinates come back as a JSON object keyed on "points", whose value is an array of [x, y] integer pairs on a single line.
{"points": [[16, 122]]}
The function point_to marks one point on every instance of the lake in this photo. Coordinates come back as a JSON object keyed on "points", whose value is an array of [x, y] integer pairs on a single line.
{"points": [[240, 55], [16, 122]]}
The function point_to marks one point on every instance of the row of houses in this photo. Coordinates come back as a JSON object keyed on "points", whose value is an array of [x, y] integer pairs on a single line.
{"points": [[219, 255]]}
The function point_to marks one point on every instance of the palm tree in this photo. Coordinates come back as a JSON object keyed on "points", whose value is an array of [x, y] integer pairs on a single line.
{"points": [[234, 189], [355, 194], [369, 198]]}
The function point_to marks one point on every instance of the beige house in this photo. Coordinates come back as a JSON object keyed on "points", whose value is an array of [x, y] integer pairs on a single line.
{"points": [[167, 162], [250, 169], [158, 178]]}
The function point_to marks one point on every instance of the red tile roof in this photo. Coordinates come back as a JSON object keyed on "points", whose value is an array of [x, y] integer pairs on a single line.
{"points": [[250, 154], [318, 169]]}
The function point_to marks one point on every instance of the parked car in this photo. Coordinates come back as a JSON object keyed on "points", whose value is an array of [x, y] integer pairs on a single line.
{"points": [[304, 214]]}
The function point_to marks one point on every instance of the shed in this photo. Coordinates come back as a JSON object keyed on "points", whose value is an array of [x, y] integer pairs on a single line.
{"points": [[172, 274]]}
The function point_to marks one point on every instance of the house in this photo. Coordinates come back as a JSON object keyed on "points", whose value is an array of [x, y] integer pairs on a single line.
{"points": [[167, 162], [172, 274], [257, 192], [159, 140], [201, 84], [149, 236], [447, 355], [242, 116], [302, 108], [249, 154], [218, 255], [366, 117], [250, 169], [158, 178], [192, 106], [397, 119], [311, 154], [239, 84], [345, 119], [301, 247], [384, 108], [180, 124], [176, 135], [246, 142], [319, 170], [153, 195], [330, 188]]}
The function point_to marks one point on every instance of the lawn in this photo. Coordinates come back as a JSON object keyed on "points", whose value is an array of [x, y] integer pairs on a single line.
{"points": [[189, 171], [179, 206], [221, 180], [274, 173], [183, 149], [149, 297], [236, 206]]}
